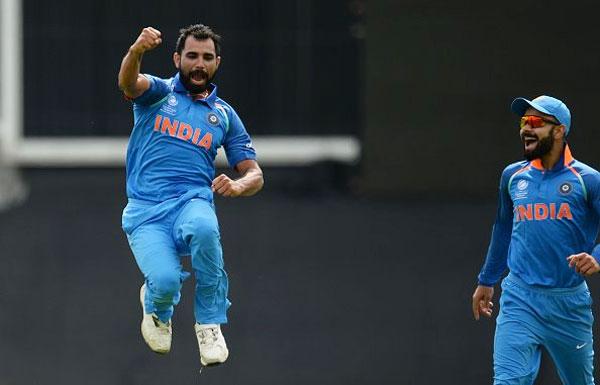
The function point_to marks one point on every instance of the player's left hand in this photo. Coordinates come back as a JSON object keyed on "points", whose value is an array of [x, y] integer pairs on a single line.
{"points": [[584, 263], [227, 187]]}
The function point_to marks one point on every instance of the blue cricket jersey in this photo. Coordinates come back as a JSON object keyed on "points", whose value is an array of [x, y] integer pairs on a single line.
{"points": [[174, 142], [543, 217]]}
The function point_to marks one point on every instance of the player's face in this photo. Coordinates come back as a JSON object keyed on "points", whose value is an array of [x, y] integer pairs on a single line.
{"points": [[197, 64], [538, 140]]}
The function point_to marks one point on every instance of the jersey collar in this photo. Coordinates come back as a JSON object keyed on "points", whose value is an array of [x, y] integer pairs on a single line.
{"points": [[565, 160], [180, 88]]}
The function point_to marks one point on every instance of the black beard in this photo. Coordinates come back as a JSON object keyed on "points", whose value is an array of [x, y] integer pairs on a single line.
{"points": [[543, 147], [194, 89]]}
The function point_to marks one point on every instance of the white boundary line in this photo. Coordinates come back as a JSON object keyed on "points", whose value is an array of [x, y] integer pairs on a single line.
{"points": [[272, 151], [18, 150], [11, 94]]}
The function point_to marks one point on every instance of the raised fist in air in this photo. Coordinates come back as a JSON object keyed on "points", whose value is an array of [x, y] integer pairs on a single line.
{"points": [[149, 39]]}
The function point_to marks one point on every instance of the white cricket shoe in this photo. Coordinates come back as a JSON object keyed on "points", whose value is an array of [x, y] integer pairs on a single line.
{"points": [[213, 349], [156, 333]]}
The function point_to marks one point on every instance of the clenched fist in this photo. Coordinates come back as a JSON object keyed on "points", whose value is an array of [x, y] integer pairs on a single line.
{"points": [[149, 39], [227, 187]]}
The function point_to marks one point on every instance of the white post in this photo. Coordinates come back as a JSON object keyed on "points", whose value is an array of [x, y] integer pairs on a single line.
{"points": [[12, 189]]}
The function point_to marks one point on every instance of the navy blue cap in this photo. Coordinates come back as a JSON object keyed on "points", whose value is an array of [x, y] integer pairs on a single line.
{"points": [[546, 104]]}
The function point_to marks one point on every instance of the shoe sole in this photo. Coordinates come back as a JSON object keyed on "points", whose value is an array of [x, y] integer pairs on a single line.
{"points": [[159, 352], [203, 363], [210, 366], [213, 365]]}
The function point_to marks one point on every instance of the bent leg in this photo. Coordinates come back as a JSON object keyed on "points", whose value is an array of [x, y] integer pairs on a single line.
{"points": [[198, 229], [155, 254]]}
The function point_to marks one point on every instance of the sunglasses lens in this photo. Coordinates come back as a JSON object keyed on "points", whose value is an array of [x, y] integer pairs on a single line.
{"points": [[533, 121], [523, 122], [536, 122]]}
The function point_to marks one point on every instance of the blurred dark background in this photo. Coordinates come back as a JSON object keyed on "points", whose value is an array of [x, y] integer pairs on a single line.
{"points": [[340, 273], [289, 67]]}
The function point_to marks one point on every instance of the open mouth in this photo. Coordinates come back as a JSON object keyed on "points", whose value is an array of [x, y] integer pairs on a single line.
{"points": [[530, 143], [198, 76]]}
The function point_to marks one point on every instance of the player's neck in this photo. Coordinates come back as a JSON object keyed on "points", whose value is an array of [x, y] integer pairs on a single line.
{"points": [[202, 95]]}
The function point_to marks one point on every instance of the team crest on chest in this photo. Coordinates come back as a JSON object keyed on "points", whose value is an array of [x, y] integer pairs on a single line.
{"points": [[565, 188], [213, 119]]}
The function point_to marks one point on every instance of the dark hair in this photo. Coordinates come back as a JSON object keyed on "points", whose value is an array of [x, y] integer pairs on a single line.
{"points": [[199, 32]]}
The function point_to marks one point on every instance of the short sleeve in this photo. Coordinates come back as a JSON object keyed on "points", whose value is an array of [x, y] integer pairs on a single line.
{"points": [[159, 89], [237, 144]]}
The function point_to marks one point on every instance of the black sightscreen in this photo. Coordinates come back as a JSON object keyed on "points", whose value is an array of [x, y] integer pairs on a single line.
{"points": [[289, 68]]}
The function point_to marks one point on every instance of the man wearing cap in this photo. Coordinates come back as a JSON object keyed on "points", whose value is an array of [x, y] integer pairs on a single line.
{"points": [[546, 226]]}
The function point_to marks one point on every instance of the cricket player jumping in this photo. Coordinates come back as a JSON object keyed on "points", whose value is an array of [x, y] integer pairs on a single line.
{"points": [[179, 123]]}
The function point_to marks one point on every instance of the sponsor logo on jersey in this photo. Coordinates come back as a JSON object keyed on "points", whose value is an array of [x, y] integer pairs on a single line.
{"points": [[522, 185], [543, 211], [182, 130], [172, 100]]}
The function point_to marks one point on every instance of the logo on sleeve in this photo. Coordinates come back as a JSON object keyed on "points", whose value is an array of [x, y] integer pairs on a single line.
{"points": [[213, 119], [172, 100], [565, 188]]}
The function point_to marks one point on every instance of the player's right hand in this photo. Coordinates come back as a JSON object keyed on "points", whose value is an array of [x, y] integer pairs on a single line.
{"points": [[149, 39], [482, 301]]}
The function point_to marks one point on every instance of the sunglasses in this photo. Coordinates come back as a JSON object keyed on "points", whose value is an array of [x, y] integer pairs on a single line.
{"points": [[536, 121]]}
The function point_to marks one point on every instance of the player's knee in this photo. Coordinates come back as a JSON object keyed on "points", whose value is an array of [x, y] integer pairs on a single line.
{"points": [[165, 285], [202, 231]]}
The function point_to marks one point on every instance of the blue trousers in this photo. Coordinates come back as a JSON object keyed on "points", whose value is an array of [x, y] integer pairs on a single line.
{"points": [[159, 236], [560, 320]]}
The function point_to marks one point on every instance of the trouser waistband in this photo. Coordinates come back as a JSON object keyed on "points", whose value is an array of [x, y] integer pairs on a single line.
{"points": [[547, 290]]}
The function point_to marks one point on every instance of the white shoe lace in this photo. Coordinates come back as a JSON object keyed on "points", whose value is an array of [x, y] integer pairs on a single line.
{"points": [[161, 327], [208, 336]]}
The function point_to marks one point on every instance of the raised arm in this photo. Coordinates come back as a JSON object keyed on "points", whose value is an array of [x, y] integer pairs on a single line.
{"points": [[250, 182], [131, 82]]}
